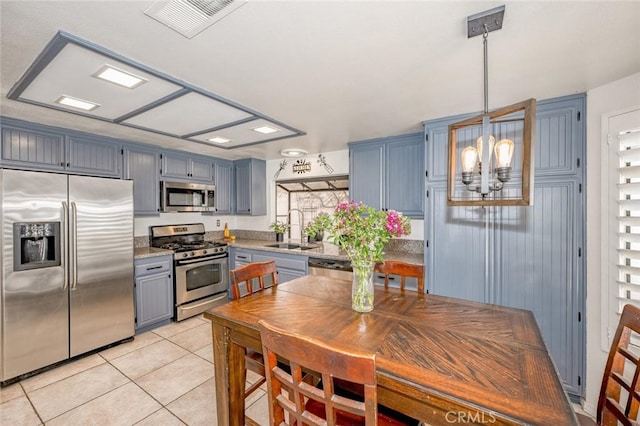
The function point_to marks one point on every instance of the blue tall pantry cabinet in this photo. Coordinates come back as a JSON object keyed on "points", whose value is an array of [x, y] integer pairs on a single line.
{"points": [[523, 257]]}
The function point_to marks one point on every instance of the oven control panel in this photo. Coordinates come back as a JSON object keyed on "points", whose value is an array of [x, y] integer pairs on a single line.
{"points": [[208, 252]]}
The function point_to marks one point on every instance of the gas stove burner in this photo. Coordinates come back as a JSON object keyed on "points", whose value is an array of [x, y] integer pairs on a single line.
{"points": [[170, 246], [193, 246]]}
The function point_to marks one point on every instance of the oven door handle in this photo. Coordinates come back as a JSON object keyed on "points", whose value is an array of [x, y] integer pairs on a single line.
{"points": [[199, 260]]}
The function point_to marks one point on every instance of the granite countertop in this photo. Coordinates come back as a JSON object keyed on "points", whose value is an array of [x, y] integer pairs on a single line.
{"points": [[323, 250], [144, 252]]}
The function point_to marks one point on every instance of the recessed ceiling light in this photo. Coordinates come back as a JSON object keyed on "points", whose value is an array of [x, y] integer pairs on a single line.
{"points": [[219, 139], [77, 103], [265, 130], [293, 152], [121, 78]]}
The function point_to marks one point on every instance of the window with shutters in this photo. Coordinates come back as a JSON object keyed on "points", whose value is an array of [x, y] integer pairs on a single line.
{"points": [[629, 219], [621, 218]]}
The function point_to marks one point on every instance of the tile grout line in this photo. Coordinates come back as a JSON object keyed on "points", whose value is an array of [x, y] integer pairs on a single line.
{"points": [[33, 407]]}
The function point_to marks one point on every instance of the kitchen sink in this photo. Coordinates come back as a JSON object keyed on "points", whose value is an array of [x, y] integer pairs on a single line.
{"points": [[289, 246]]}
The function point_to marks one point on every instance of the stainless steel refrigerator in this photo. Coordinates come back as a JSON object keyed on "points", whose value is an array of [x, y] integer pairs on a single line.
{"points": [[67, 267]]}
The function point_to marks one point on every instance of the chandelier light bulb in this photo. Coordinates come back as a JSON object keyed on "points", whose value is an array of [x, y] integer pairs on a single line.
{"points": [[504, 153], [469, 159], [479, 143]]}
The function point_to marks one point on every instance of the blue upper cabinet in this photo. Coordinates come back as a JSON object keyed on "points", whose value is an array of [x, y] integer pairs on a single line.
{"points": [[93, 156], [142, 165], [31, 146], [186, 168], [251, 186], [366, 174], [223, 179], [558, 125], [388, 173]]}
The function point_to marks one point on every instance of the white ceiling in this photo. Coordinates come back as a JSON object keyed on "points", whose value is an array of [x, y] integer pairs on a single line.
{"points": [[340, 71]]}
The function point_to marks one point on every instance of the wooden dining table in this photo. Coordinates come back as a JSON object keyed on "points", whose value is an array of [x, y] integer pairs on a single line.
{"points": [[440, 360]]}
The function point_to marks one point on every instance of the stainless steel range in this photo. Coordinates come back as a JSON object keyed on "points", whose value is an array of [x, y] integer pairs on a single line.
{"points": [[201, 279]]}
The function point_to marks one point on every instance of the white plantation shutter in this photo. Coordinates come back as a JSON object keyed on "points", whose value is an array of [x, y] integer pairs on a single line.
{"points": [[628, 220]]}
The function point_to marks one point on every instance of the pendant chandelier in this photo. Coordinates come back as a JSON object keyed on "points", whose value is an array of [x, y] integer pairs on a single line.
{"points": [[486, 166]]}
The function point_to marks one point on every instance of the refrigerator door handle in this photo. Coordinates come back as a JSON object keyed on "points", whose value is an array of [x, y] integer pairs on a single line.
{"points": [[73, 240], [65, 251]]}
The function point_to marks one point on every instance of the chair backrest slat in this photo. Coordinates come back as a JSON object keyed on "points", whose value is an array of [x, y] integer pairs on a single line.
{"points": [[247, 273], [619, 399]]}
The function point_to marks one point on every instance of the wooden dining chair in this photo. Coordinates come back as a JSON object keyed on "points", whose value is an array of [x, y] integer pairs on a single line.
{"points": [[289, 393], [404, 270], [253, 276], [619, 398]]}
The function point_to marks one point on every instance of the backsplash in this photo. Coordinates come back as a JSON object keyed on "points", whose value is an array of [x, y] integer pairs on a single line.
{"points": [[140, 242]]}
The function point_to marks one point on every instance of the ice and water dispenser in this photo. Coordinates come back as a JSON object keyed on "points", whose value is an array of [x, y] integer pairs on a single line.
{"points": [[36, 245]]}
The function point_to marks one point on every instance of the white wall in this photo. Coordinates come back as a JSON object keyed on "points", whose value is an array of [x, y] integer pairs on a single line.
{"points": [[611, 97]]}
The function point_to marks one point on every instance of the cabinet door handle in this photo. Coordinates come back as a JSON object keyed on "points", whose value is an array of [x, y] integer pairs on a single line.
{"points": [[154, 267]]}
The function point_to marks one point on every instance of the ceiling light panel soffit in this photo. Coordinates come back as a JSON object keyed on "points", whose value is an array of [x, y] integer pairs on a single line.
{"points": [[160, 103]]}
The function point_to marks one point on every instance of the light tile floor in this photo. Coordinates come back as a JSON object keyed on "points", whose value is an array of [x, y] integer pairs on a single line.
{"points": [[164, 377]]}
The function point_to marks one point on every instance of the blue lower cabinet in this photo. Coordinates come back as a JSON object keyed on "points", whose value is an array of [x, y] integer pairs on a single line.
{"points": [[289, 266], [154, 292]]}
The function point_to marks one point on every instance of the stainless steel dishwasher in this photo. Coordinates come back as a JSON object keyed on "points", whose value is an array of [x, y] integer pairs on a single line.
{"points": [[340, 269]]}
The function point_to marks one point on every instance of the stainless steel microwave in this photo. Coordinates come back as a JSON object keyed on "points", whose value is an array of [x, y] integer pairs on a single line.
{"points": [[187, 197]]}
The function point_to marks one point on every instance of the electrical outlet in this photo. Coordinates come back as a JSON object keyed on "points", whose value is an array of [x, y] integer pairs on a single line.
{"points": [[217, 222]]}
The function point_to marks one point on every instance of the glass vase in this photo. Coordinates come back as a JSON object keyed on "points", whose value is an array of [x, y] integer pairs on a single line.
{"points": [[362, 286]]}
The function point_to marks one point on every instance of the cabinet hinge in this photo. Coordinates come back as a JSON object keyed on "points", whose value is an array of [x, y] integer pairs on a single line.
{"points": [[579, 115]]}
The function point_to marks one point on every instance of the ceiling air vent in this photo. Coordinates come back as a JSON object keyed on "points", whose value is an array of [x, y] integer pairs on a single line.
{"points": [[190, 17]]}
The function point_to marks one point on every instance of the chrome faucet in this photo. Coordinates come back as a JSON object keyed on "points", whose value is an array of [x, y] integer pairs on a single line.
{"points": [[300, 221]]}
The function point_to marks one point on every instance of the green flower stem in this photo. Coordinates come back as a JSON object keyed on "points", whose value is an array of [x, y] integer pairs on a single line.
{"points": [[362, 287]]}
